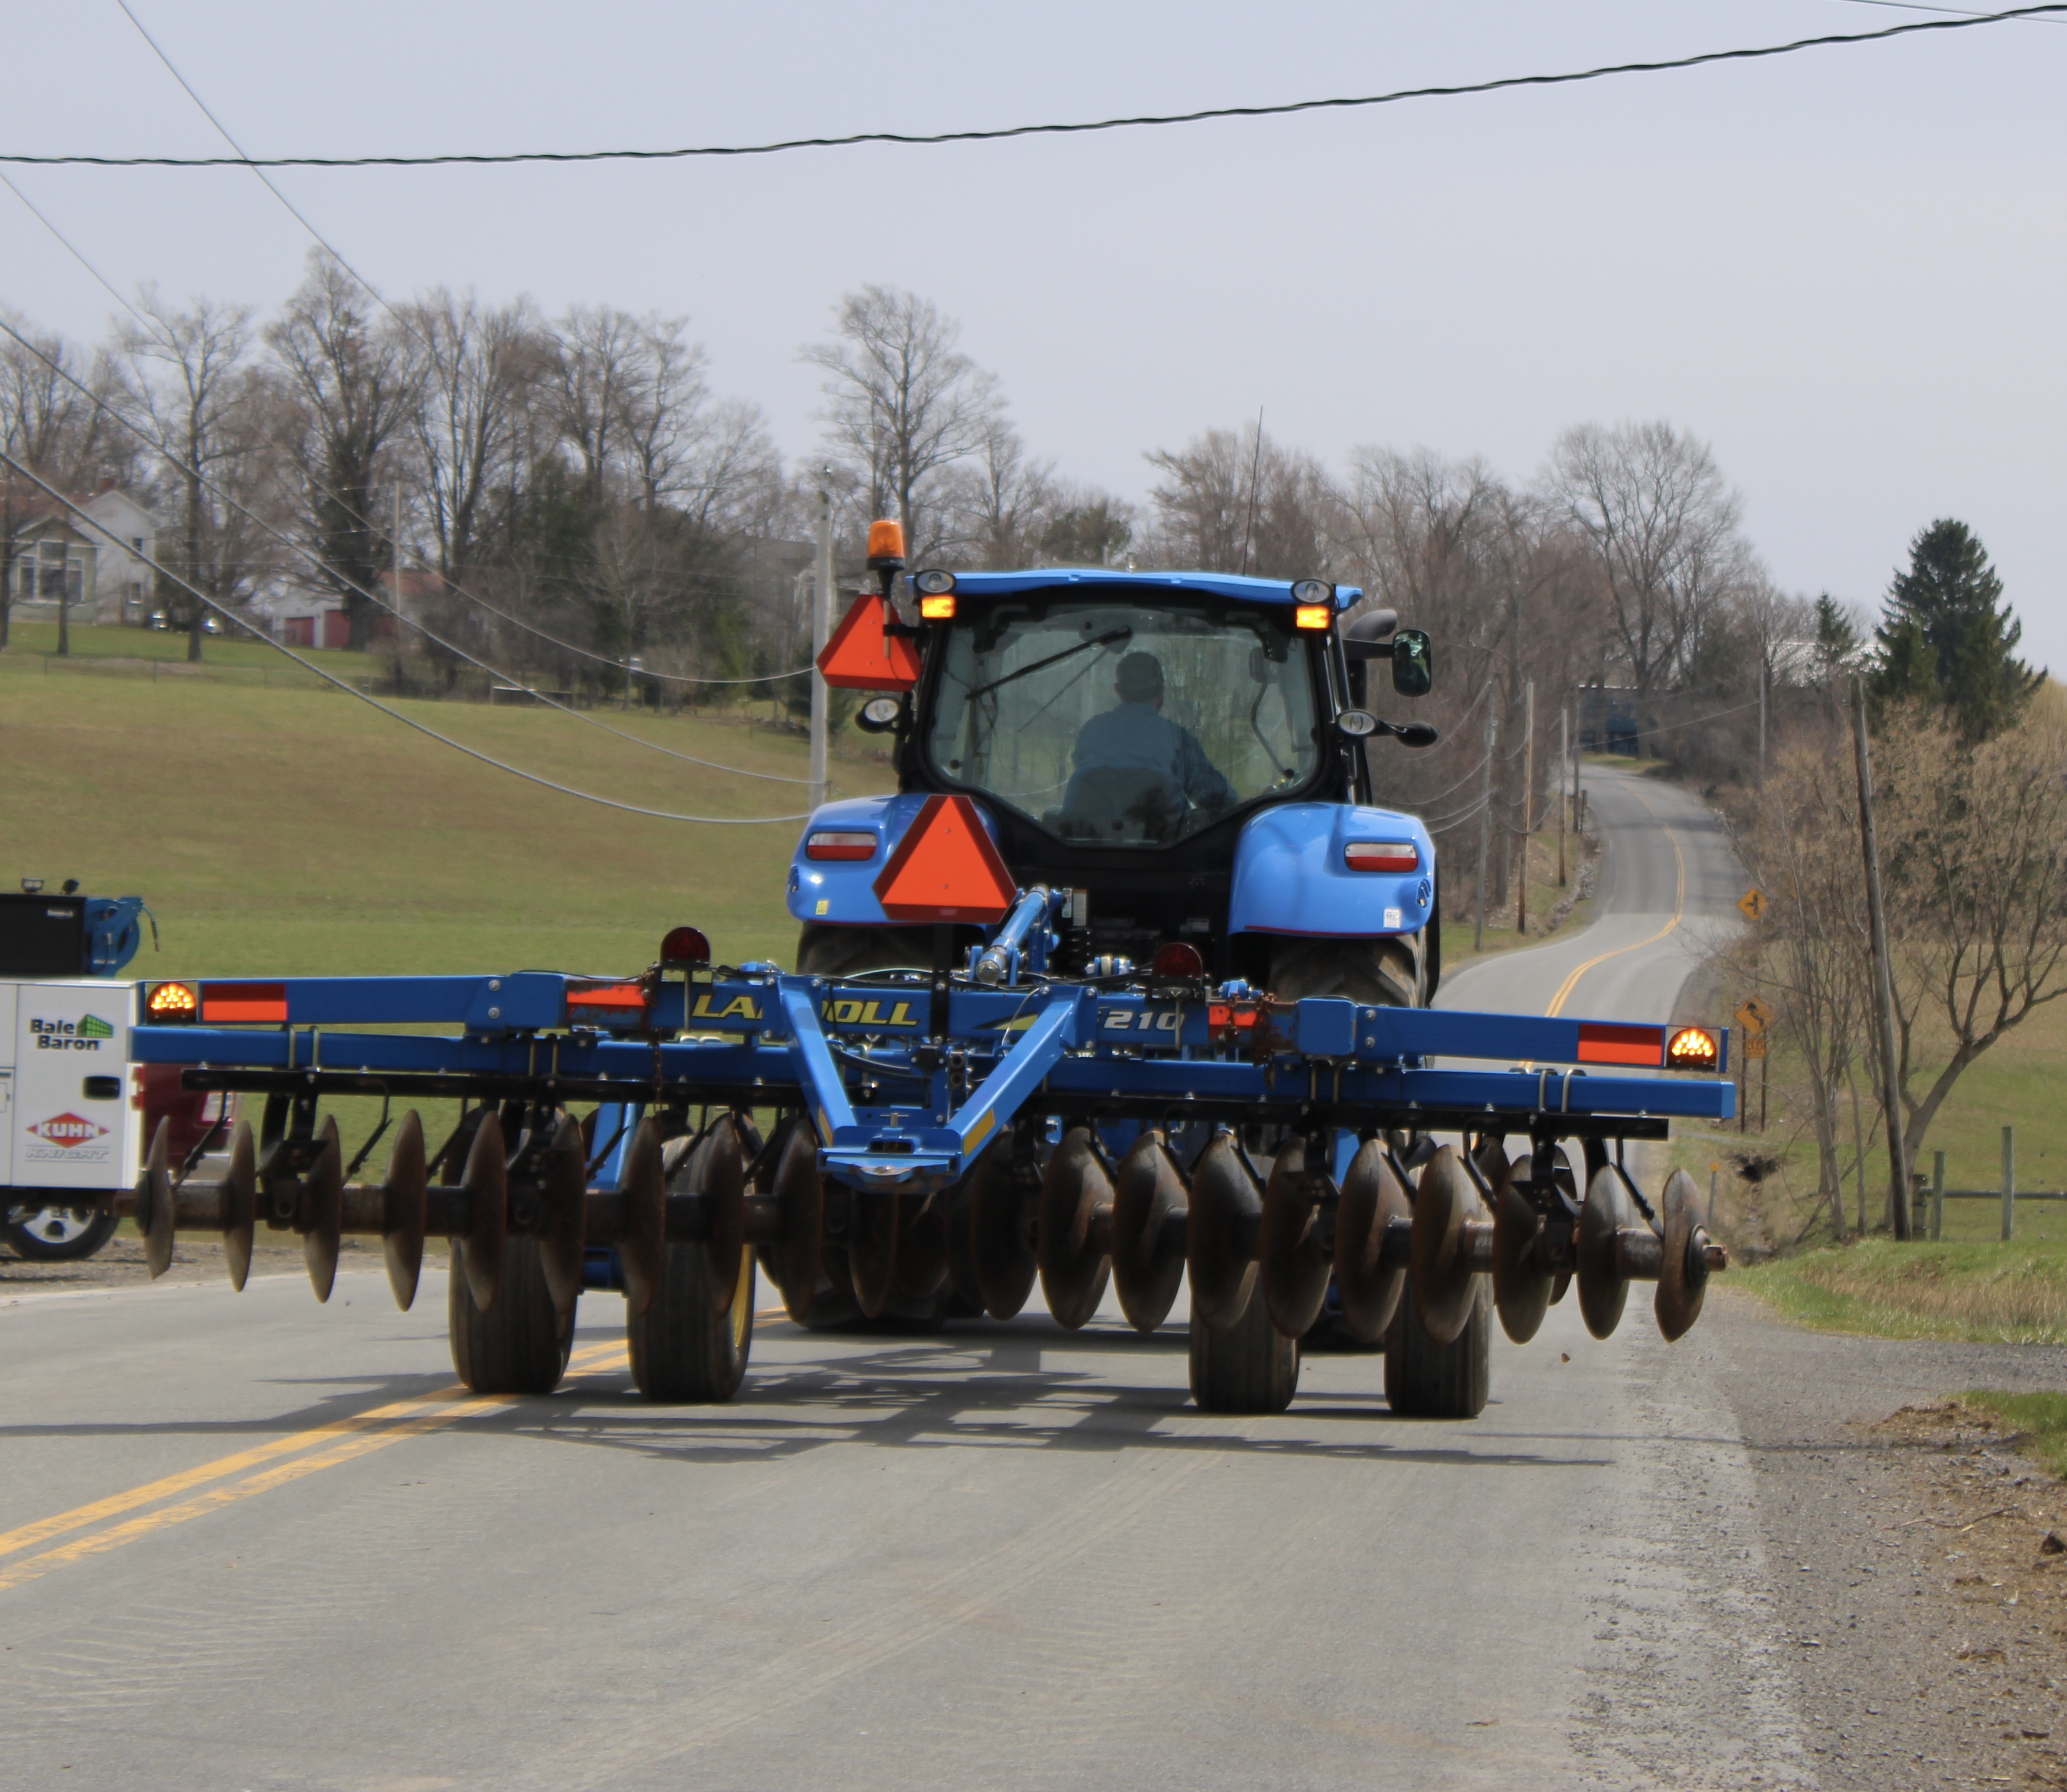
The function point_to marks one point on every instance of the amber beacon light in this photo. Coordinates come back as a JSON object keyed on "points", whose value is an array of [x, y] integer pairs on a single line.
{"points": [[1692, 1048]]}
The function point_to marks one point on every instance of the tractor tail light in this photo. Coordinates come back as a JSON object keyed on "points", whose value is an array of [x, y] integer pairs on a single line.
{"points": [[834, 844], [1385, 855]]}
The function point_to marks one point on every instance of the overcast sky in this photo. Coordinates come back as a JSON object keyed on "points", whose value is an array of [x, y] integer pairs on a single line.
{"points": [[1843, 269]]}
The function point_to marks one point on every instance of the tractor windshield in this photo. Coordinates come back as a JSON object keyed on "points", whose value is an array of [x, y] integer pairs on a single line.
{"points": [[1123, 725]]}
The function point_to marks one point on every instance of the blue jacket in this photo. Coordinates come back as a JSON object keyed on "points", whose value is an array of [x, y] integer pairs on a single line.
{"points": [[1137, 737]]}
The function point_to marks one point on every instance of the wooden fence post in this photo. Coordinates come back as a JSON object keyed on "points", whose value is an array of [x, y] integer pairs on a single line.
{"points": [[1937, 1196], [2010, 1183]]}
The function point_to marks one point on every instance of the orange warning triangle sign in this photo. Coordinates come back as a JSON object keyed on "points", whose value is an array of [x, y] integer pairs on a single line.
{"points": [[946, 869], [864, 656]]}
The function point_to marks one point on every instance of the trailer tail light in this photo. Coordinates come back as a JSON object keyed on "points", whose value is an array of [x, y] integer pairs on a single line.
{"points": [[171, 1002], [834, 844], [1312, 615], [1692, 1048], [685, 946], [1178, 958], [1398, 856]]}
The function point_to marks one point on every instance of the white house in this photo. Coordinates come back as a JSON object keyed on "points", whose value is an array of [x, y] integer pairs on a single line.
{"points": [[98, 560]]}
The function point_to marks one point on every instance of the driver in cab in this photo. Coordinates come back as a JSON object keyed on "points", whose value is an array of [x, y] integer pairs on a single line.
{"points": [[1139, 743]]}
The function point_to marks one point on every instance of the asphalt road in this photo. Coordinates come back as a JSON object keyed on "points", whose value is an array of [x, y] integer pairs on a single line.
{"points": [[248, 1542]]}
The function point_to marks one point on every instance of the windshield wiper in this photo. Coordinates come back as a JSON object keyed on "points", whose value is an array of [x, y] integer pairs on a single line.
{"points": [[1110, 638]]}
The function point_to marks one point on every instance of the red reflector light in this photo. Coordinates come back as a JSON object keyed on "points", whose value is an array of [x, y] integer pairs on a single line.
{"points": [[1178, 958], [172, 1001], [231, 1002], [1692, 1048], [1311, 615], [1392, 855], [1603, 1042], [685, 945], [1220, 1017], [834, 844]]}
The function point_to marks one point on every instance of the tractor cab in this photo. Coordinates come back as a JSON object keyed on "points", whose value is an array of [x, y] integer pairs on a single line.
{"points": [[1131, 738]]}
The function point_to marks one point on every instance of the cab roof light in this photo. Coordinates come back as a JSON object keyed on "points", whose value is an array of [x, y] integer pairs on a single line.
{"points": [[1396, 856], [934, 583], [834, 842], [1692, 1048], [172, 1001], [938, 606], [1313, 616], [1313, 590]]}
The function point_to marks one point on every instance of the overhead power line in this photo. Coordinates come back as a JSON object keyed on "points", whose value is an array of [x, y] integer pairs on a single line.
{"points": [[1146, 120], [366, 697]]}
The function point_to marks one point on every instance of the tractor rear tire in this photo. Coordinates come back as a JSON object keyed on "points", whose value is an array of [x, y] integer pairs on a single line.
{"points": [[828, 951], [520, 1345], [1388, 972], [684, 1352], [1427, 1380], [1250, 1367]]}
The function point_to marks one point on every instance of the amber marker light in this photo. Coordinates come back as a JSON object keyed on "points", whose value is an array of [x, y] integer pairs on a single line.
{"points": [[1312, 615], [1692, 1048], [172, 1001], [937, 609]]}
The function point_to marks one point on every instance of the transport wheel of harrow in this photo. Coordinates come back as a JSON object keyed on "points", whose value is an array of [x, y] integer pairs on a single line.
{"points": [[521, 1344], [1248, 1367], [562, 1247], [1220, 1252], [1373, 1201], [1071, 1244], [871, 1247], [1683, 1277], [1520, 1287], [403, 1206], [1424, 1379], [154, 1204], [643, 1185], [1148, 1209], [1445, 1286], [58, 1234], [921, 1279], [690, 1346], [1603, 1288], [956, 1206], [1003, 1196], [1292, 1267], [239, 1200]]}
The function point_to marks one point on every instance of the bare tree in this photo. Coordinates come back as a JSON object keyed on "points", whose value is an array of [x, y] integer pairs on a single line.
{"points": [[1235, 501], [600, 350], [351, 385], [1662, 528], [189, 385], [1002, 498], [904, 405]]}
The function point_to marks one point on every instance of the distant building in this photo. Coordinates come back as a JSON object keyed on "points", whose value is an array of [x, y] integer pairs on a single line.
{"points": [[99, 561]]}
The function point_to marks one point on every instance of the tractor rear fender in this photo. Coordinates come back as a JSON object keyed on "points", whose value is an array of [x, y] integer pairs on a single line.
{"points": [[1295, 872], [842, 890]]}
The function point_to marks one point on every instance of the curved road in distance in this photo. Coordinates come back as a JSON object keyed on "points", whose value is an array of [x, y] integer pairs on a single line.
{"points": [[248, 1542]]}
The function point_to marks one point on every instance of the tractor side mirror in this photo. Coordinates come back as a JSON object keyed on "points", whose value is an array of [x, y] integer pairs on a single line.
{"points": [[1413, 670], [878, 715]]}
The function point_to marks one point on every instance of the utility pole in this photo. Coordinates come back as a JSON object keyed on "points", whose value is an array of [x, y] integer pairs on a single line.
{"points": [[395, 551], [1897, 1165], [1528, 800], [1765, 679], [1485, 819], [1564, 769], [822, 604]]}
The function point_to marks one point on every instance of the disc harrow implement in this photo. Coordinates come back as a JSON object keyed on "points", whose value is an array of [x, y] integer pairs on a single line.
{"points": [[900, 1146]]}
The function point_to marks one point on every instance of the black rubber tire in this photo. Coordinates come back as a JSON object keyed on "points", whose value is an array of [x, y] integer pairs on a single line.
{"points": [[1250, 1367], [32, 1246], [1387, 972], [827, 951], [1425, 1381], [520, 1345], [684, 1352]]}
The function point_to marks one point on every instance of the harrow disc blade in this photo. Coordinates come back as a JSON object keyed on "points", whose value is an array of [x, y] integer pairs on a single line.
{"points": [[1603, 1288], [1683, 1278], [1075, 1266], [643, 1250], [922, 1249], [872, 1248], [404, 1198], [1520, 1286], [1291, 1265], [566, 1215], [239, 1197], [1003, 1194], [797, 1258], [957, 1205], [1445, 1203], [716, 1174], [322, 1210], [1372, 1202], [1219, 1253], [1148, 1225], [154, 1204]]}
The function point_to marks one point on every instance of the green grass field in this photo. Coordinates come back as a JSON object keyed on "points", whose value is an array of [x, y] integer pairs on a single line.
{"points": [[2040, 1419], [2012, 1293], [91, 642]]}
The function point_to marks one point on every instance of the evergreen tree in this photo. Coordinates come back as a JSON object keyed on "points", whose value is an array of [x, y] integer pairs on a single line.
{"points": [[1948, 637], [1837, 642]]}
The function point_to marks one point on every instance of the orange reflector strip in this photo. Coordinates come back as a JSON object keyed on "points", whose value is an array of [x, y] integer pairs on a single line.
{"points": [[1312, 615], [609, 995], [225, 1003], [1603, 1042], [863, 655], [946, 869]]}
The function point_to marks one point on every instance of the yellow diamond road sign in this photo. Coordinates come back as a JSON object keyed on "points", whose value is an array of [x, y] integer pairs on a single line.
{"points": [[1753, 1016], [1753, 903]]}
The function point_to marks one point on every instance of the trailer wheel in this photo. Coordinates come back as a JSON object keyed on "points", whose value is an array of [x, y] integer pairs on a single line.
{"points": [[58, 1234], [684, 1351], [1250, 1367], [521, 1344], [1426, 1381]]}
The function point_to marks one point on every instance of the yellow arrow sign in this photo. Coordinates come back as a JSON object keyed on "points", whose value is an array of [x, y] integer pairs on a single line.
{"points": [[1753, 1016], [1754, 904]]}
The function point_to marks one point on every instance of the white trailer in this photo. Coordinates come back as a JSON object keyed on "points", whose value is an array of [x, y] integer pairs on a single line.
{"points": [[71, 1102]]}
